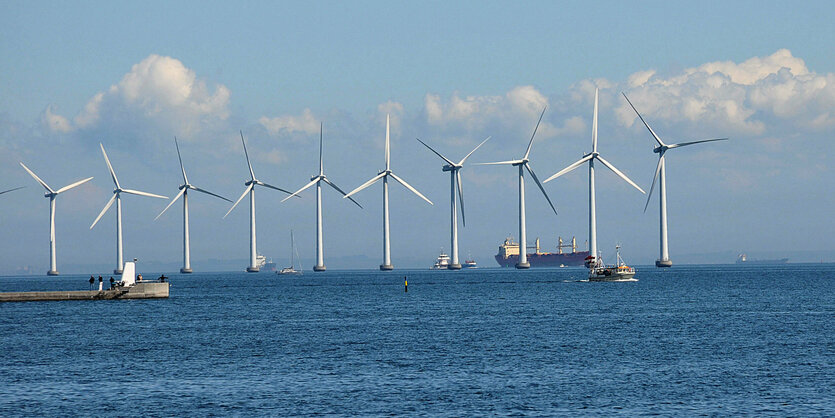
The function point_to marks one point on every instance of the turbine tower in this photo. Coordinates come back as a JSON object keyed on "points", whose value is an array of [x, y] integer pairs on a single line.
{"points": [[385, 174], [455, 177], [117, 196], [52, 194], [590, 158], [250, 188], [523, 164], [664, 257], [184, 188], [320, 255]]}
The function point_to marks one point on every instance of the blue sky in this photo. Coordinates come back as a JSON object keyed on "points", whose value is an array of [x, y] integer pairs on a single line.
{"points": [[133, 75]]}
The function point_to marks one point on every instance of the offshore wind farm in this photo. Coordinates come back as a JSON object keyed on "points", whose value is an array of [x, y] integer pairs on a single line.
{"points": [[606, 209]]}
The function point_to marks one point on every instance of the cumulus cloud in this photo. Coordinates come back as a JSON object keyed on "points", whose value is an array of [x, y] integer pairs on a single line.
{"points": [[515, 111], [749, 98], [160, 93], [55, 123], [282, 125]]}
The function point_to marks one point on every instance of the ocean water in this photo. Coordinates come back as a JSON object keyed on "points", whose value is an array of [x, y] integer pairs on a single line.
{"points": [[713, 340]]}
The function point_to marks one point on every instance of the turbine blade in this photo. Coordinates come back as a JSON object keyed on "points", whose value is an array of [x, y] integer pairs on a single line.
{"points": [[78, 183], [182, 191], [261, 183], [185, 179], [197, 189], [340, 191], [106, 207], [511, 162], [49, 189], [248, 188], [110, 167], [527, 153], [436, 153], [569, 168], [306, 186], [321, 164], [461, 195], [621, 175], [11, 190], [536, 180], [654, 178], [366, 184], [594, 125], [657, 139], [684, 144], [471, 152], [138, 193], [251, 173], [388, 157], [406, 185]]}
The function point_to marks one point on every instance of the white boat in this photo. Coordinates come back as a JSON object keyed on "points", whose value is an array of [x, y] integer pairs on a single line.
{"points": [[469, 264], [442, 263], [294, 255], [599, 272]]}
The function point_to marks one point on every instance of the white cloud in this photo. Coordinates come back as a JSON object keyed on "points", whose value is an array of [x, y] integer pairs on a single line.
{"points": [[158, 92], [283, 125], [749, 98], [53, 122]]}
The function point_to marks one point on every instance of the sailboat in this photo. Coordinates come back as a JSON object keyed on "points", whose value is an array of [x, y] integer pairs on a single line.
{"points": [[294, 255]]}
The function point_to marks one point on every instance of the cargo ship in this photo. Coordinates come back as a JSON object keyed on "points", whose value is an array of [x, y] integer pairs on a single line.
{"points": [[743, 259], [508, 255]]}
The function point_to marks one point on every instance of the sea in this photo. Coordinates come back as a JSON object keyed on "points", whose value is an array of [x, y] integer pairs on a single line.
{"points": [[690, 340]]}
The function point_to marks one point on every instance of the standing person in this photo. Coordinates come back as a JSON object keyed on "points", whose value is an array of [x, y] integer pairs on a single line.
{"points": [[101, 283], [91, 282]]}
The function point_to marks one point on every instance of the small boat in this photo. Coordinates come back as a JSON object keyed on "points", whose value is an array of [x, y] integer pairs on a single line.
{"points": [[294, 254], [470, 264], [599, 272], [442, 263]]}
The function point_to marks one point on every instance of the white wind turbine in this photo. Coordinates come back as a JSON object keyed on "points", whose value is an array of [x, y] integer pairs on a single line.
{"points": [[320, 255], [52, 194], [117, 196], [523, 164], [590, 157], [385, 174], [250, 188], [455, 177], [664, 258], [184, 188]]}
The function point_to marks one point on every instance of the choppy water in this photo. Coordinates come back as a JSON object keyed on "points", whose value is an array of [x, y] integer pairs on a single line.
{"points": [[689, 340]]}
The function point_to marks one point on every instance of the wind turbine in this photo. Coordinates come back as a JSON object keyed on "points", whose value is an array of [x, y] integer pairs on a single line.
{"points": [[184, 188], [52, 194], [523, 164], [250, 188], [454, 177], [320, 256], [664, 258], [590, 157], [117, 196], [385, 174]]}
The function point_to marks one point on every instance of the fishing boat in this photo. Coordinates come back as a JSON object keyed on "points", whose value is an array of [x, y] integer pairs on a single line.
{"points": [[294, 255], [599, 272]]}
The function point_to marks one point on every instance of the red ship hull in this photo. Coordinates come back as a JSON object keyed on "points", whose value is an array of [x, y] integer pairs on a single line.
{"points": [[546, 259]]}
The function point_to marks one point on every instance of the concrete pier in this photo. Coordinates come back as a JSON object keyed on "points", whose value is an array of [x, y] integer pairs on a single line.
{"points": [[151, 290]]}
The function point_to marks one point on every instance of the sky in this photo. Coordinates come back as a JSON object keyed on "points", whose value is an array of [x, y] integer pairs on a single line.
{"points": [[133, 75]]}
